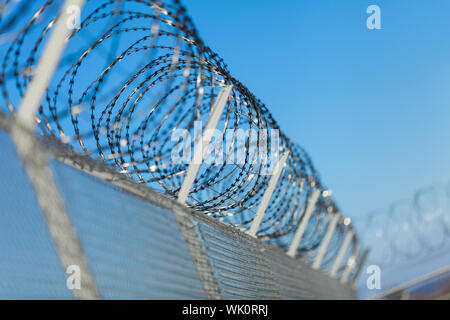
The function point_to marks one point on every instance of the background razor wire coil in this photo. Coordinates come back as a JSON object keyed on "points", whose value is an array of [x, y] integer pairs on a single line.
{"points": [[135, 71], [409, 229]]}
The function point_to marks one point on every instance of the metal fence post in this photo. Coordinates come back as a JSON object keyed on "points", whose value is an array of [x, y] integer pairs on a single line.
{"points": [[360, 265], [342, 250], [35, 160], [47, 65], [302, 227], [267, 194], [350, 265], [326, 241], [214, 117], [201, 261]]}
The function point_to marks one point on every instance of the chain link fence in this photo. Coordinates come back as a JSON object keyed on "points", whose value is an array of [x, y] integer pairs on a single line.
{"points": [[138, 244]]}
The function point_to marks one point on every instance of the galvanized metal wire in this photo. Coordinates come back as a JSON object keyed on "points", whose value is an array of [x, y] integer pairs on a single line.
{"points": [[134, 72]]}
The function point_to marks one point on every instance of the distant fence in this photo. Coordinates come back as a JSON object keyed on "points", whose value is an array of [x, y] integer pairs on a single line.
{"points": [[409, 239], [409, 229]]}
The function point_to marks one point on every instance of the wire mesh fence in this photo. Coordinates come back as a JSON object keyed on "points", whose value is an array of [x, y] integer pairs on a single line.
{"points": [[135, 87], [138, 244]]}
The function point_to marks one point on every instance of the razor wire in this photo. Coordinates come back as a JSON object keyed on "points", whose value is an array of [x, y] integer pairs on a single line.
{"points": [[135, 88], [409, 229]]}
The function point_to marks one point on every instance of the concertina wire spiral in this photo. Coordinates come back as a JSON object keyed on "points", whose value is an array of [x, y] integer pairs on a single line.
{"points": [[132, 73]]}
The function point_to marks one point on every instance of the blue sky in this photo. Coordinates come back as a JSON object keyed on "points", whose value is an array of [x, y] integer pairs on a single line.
{"points": [[372, 107]]}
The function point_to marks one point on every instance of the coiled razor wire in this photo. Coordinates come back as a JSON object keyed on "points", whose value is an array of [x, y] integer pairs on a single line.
{"points": [[134, 72], [409, 229]]}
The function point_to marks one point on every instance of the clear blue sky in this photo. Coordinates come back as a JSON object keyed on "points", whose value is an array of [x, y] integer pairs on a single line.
{"points": [[372, 107]]}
